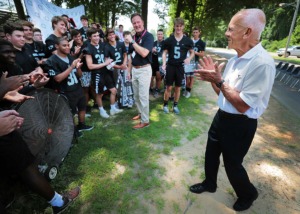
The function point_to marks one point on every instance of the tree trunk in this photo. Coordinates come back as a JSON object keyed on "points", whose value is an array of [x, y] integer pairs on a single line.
{"points": [[145, 12], [179, 8], [20, 10]]}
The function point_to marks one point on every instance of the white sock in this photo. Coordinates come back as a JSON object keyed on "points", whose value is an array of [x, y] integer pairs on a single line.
{"points": [[57, 200], [101, 109], [112, 107]]}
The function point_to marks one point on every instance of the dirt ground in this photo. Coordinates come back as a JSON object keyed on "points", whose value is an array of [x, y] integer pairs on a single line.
{"points": [[273, 165]]}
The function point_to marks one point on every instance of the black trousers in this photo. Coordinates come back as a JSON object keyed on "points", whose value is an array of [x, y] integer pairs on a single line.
{"points": [[230, 135]]}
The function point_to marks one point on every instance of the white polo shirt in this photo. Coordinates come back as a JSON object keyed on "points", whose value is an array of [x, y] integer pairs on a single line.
{"points": [[253, 76]]}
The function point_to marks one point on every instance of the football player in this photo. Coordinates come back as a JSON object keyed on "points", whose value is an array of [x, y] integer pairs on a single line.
{"points": [[176, 46], [199, 48], [65, 71], [156, 62], [101, 76]]}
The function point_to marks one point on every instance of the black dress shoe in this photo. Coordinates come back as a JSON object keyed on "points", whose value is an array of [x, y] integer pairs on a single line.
{"points": [[244, 203], [199, 188]]}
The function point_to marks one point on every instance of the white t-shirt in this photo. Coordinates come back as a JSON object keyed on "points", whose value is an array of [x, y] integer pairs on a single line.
{"points": [[253, 76], [120, 35]]}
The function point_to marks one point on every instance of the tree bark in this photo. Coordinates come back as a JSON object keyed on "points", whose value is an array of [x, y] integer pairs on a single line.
{"points": [[20, 9], [145, 12], [179, 8]]}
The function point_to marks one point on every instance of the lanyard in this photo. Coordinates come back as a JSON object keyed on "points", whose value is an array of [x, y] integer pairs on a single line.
{"points": [[138, 41]]}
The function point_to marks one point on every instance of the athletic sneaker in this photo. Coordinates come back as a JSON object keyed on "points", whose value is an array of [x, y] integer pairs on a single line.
{"points": [[184, 93], [176, 110], [188, 94], [115, 111], [68, 198], [78, 134], [117, 105], [82, 127], [104, 114], [166, 109]]}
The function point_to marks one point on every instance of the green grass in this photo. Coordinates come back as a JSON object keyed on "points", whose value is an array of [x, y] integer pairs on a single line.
{"points": [[117, 166]]}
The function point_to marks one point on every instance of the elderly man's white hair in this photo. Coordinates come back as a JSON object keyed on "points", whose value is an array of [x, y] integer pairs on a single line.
{"points": [[254, 18]]}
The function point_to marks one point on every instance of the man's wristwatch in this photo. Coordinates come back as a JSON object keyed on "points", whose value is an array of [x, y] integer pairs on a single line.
{"points": [[132, 42], [219, 85]]}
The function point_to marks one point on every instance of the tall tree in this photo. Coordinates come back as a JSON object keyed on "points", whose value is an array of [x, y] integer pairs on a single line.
{"points": [[145, 11]]}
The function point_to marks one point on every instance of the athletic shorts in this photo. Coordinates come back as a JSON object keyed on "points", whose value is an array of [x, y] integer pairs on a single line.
{"points": [[155, 68], [15, 155], [189, 69], [76, 99], [174, 74], [102, 81], [86, 79], [189, 74]]}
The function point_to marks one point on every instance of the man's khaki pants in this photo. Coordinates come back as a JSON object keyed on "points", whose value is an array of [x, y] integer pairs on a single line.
{"points": [[141, 78]]}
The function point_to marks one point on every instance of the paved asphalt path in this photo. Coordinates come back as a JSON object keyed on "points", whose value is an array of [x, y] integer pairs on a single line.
{"points": [[288, 97]]}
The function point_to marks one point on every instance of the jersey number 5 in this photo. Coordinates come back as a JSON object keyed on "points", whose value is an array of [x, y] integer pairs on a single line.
{"points": [[176, 52]]}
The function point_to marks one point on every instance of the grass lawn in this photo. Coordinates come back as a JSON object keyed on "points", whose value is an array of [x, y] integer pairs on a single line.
{"points": [[116, 165]]}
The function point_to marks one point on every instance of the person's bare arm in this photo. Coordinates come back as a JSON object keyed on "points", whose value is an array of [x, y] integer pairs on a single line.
{"points": [[139, 49], [91, 66]]}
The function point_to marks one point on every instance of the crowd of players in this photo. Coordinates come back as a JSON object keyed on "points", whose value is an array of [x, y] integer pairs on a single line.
{"points": [[83, 64]]}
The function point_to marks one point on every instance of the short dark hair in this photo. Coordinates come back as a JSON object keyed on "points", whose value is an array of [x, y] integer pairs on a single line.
{"points": [[197, 28], [126, 33], [84, 17], [109, 31], [64, 15], [10, 27], [160, 30], [36, 30], [91, 31], [58, 40], [121, 26], [74, 32], [136, 14]]}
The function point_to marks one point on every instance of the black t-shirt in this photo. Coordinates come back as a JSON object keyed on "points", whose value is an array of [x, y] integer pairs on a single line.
{"points": [[101, 34], [157, 54], [145, 40], [12, 69], [115, 53], [98, 55], [81, 51], [50, 45], [177, 50], [199, 46], [83, 33], [25, 59], [38, 50], [56, 65]]}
